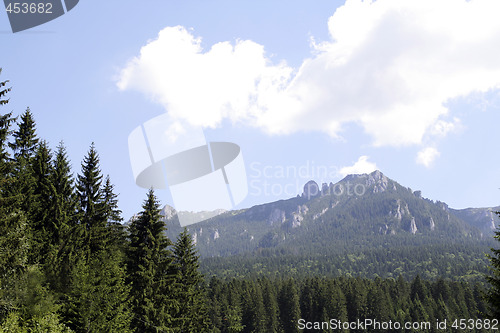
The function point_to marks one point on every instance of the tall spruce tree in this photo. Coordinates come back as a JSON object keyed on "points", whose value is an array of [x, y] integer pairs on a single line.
{"points": [[493, 294], [192, 315], [148, 268], [112, 215], [64, 203], [91, 209], [24, 146], [25, 138], [270, 300], [62, 222], [41, 221], [288, 301], [97, 299]]}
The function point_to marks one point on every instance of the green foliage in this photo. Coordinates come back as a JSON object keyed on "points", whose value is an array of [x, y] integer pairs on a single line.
{"points": [[98, 300], [112, 214], [60, 223], [3, 91], [91, 208], [493, 294], [148, 269], [191, 313], [317, 300], [41, 220], [458, 261], [289, 306], [14, 247], [5, 131], [25, 138], [34, 307]]}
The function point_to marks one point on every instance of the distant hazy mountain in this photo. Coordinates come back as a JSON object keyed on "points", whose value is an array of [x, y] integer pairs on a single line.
{"points": [[357, 213], [484, 219]]}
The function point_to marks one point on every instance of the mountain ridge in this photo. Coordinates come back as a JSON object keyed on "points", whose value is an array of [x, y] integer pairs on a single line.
{"points": [[370, 208]]}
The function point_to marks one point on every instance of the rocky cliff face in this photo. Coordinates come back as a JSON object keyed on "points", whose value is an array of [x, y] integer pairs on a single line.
{"points": [[276, 216]]}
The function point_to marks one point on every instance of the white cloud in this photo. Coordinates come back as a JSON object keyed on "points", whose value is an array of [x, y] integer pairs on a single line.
{"points": [[199, 87], [390, 66], [361, 166], [427, 156], [442, 128]]}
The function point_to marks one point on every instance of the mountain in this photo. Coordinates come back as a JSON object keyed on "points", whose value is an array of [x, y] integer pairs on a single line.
{"points": [[483, 219], [360, 212]]}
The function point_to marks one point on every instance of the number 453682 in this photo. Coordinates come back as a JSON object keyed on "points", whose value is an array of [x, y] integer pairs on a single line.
{"points": [[29, 8], [475, 324]]}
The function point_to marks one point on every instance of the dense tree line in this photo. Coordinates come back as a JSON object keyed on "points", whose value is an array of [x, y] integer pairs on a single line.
{"points": [[460, 262], [493, 293], [66, 262], [286, 305]]}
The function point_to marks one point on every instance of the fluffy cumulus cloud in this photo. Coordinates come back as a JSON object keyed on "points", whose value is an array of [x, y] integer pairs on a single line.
{"points": [[361, 166], [390, 66], [427, 156], [203, 88]]}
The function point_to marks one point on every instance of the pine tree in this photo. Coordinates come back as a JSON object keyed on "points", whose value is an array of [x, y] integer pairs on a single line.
{"points": [[91, 209], [148, 264], [25, 138], [270, 299], [288, 301], [24, 146], [493, 294], [418, 289], [111, 211], [357, 299], [335, 306], [232, 314], [41, 221], [62, 223], [112, 215], [64, 199], [192, 315], [97, 296]]}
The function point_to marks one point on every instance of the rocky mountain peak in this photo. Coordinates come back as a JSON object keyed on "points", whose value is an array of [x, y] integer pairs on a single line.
{"points": [[378, 180], [311, 190], [168, 212]]}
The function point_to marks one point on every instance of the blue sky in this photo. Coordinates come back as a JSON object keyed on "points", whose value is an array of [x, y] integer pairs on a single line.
{"points": [[309, 90]]}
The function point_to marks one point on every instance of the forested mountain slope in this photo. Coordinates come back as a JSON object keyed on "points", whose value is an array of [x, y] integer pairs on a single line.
{"points": [[360, 211], [367, 225]]}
